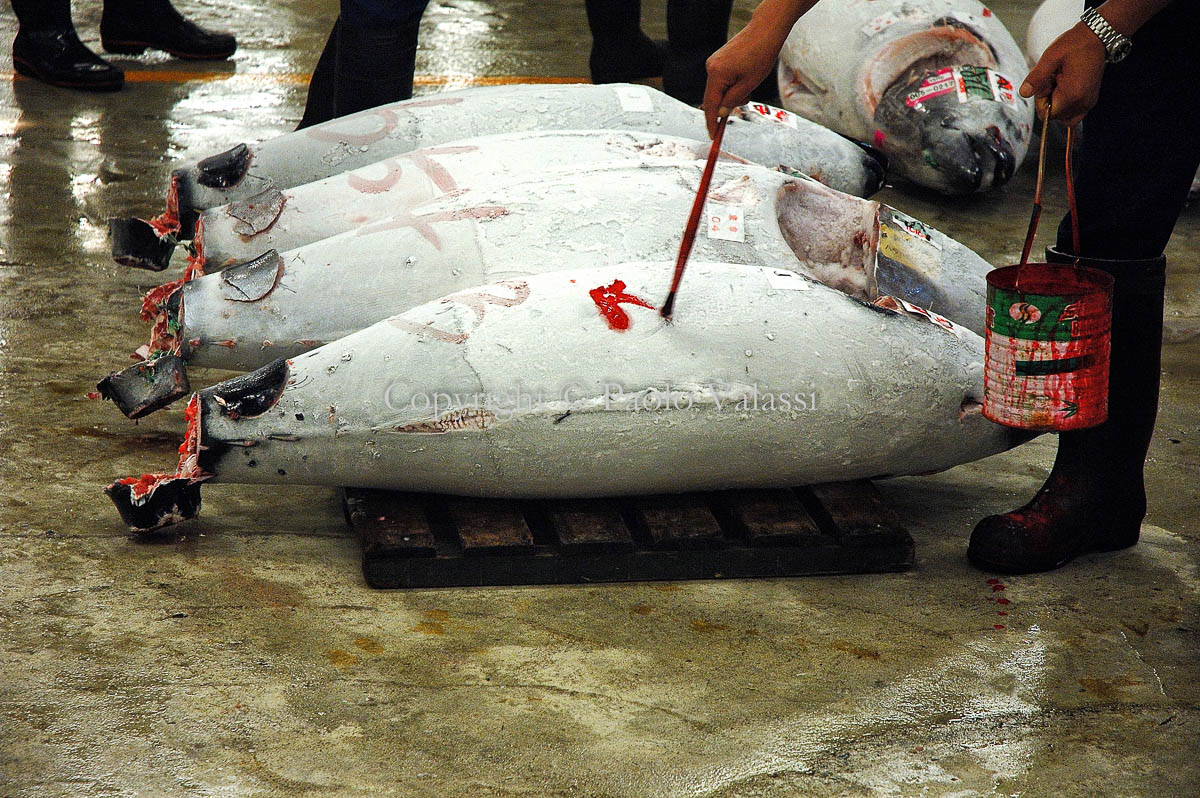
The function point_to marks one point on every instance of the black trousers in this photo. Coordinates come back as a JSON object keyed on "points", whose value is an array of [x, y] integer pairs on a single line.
{"points": [[1140, 145]]}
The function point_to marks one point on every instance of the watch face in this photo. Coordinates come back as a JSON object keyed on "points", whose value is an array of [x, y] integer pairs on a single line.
{"points": [[1120, 51]]}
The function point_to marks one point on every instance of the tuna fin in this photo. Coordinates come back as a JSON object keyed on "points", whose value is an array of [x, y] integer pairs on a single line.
{"points": [[170, 501], [147, 386], [225, 169], [251, 394], [877, 165], [252, 280], [136, 243]]}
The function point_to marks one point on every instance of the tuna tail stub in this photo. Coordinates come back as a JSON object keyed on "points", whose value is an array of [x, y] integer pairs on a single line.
{"points": [[135, 243], [172, 500], [147, 386], [876, 164], [225, 169]]}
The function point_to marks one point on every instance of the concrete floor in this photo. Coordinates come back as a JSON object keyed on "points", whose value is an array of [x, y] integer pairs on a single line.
{"points": [[248, 658]]}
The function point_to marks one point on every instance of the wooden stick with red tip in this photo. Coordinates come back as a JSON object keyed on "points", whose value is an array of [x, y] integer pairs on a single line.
{"points": [[693, 223]]}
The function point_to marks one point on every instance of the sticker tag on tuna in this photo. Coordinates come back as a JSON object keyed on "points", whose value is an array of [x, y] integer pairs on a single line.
{"points": [[635, 99], [973, 81], [785, 280], [935, 85], [898, 304], [779, 115], [726, 222], [915, 228]]}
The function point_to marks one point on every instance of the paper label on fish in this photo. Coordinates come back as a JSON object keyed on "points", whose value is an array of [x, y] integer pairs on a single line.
{"points": [[770, 112], [784, 280], [914, 228], [967, 82], [900, 305], [635, 99], [726, 222]]}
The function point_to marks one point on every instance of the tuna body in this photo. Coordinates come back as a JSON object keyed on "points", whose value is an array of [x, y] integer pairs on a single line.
{"points": [[364, 138], [244, 317], [570, 384], [932, 84]]}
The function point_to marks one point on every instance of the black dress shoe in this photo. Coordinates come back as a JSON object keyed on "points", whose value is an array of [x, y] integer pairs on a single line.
{"points": [[58, 57], [160, 27]]}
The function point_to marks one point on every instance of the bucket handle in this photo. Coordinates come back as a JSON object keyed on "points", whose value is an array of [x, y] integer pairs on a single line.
{"points": [[1037, 194]]}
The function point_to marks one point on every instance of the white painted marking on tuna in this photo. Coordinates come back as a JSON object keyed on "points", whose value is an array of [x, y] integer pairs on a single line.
{"points": [[787, 281], [635, 99], [726, 222]]}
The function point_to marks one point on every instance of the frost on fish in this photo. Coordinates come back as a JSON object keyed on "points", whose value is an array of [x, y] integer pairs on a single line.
{"points": [[931, 84], [602, 214], [370, 136], [528, 389], [345, 201]]}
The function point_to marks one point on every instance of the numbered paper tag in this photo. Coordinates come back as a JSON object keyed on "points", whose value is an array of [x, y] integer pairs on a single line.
{"points": [[635, 99], [934, 85], [726, 222], [778, 115], [785, 280], [940, 321]]}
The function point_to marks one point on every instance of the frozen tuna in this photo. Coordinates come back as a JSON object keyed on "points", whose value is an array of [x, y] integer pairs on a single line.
{"points": [[569, 383], [256, 174], [284, 304], [932, 84], [244, 230]]}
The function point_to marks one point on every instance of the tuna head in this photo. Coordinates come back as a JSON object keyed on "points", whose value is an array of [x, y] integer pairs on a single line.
{"points": [[945, 116]]}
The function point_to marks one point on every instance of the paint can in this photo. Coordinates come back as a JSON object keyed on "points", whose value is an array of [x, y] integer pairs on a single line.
{"points": [[1047, 337]]}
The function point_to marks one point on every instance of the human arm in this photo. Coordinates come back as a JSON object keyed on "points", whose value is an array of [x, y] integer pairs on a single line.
{"points": [[747, 58], [1069, 71]]}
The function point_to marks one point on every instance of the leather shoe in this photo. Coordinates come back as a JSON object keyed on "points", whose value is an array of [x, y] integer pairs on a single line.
{"points": [[56, 56], [166, 29]]}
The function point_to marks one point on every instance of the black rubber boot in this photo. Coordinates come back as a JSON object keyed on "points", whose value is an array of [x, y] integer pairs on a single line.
{"points": [[373, 65], [318, 106], [130, 27], [47, 48], [1095, 498], [620, 50], [695, 30]]}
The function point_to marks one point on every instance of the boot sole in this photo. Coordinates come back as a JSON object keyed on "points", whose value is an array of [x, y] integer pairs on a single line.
{"points": [[984, 564], [27, 69], [137, 48]]}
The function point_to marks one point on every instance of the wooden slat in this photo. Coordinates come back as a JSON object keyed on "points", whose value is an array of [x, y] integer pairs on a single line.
{"points": [[489, 526], [859, 513], [588, 525], [682, 521], [389, 523], [769, 518]]}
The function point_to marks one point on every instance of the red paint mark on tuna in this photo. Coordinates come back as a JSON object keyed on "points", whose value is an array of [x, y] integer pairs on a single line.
{"points": [[428, 329], [424, 224], [608, 301], [987, 12], [330, 133], [879, 138], [379, 186], [479, 300]]}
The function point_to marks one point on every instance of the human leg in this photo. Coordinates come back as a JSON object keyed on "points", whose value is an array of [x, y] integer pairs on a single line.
{"points": [[133, 26], [47, 48]]}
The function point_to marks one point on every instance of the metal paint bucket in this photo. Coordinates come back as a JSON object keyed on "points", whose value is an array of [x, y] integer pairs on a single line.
{"points": [[1047, 340]]}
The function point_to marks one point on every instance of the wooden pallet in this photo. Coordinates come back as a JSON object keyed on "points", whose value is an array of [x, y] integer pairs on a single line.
{"points": [[425, 540]]}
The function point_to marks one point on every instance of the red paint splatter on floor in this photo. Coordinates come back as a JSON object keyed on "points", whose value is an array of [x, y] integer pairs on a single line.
{"points": [[92, 395], [608, 299], [997, 586]]}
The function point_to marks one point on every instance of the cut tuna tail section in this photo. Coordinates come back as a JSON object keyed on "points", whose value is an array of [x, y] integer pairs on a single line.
{"points": [[137, 243], [152, 501]]}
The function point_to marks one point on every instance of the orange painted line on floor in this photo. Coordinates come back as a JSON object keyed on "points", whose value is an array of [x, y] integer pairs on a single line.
{"points": [[302, 78]]}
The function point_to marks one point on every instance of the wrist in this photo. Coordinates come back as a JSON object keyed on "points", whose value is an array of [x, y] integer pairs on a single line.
{"points": [[1115, 44]]}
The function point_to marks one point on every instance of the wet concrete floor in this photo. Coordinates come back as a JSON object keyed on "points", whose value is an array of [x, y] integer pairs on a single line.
{"points": [[246, 657]]}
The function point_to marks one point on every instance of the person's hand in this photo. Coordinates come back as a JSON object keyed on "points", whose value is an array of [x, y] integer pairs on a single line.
{"points": [[1068, 74], [739, 66]]}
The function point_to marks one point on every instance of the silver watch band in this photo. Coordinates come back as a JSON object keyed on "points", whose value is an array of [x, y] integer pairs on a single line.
{"points": [[1116, 44]]}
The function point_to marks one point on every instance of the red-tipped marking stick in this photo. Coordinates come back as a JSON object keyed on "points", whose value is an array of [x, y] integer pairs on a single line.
{"points": [[693, 223]]}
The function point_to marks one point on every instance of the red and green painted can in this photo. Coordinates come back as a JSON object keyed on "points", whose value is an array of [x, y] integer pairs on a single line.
{"points": [[1047, 338]]}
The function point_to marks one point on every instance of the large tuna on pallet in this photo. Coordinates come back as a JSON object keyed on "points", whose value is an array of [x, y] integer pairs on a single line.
{"points": [[570, 384], [258, 173], [284, 304], [932, 84], [242, 231]]}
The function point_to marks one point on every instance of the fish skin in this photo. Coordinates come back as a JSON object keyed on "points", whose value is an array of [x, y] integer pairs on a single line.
{"points": [[336, 286], [893, 394], [350, 142], [348, 200], [851, 64]]}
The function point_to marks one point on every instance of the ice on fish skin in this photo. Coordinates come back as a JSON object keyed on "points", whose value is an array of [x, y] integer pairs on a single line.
{"points": [[347, 200], [600, 215], [339, 145], [569, 383], [911, 77]]}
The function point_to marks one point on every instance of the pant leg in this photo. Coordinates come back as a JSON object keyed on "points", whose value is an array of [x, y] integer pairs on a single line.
{"points": [[43, 14], [1140, 145], [362, 13], [375, 54]]}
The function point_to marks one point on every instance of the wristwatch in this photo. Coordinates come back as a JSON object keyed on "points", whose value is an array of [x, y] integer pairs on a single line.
{"points": [[1116, 45]]}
